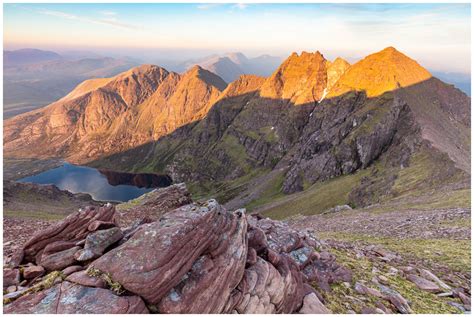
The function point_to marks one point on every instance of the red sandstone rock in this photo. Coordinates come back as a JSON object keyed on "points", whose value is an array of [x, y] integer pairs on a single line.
{"points": [[71, 269], [59, 260], [423, 283], [83, 279], [10, 277], [69, 298], [73, 228], [164, 251], [215, 274], [312, 305], [30, 272], [97, 242]]}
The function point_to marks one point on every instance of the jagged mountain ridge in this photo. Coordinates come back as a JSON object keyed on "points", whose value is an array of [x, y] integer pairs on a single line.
{"points": [[320, 138], [113, 114], [303, 133]]}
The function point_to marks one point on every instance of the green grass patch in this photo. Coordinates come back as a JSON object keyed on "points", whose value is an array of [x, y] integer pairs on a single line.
{"points": [[455, 254], [316, 199], [32, 215], [222, 191], [421, 302], [272, 191], [456, 223]]}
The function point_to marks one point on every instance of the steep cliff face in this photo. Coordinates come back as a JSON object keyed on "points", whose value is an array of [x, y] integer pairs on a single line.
{"points": [[105, 116], [300, 79]]}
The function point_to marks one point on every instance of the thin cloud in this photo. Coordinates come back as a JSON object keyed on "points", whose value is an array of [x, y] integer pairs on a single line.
{"points": [[241, 6], [207, 6], [110, 21], [109, 13]]}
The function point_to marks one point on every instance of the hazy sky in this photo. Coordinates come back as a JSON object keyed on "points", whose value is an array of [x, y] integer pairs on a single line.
{"points": [[437, 35]]}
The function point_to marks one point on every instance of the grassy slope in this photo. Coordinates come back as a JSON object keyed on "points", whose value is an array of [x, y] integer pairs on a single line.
{"points": [[316, 199], [430, 181], [421, 302]]}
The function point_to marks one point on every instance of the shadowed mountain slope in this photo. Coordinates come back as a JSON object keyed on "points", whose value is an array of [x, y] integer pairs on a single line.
{"points": [[250, 146], [311, 121]]}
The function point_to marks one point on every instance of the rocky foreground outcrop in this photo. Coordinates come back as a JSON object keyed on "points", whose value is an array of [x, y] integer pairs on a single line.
{"points": [[196, 258]]}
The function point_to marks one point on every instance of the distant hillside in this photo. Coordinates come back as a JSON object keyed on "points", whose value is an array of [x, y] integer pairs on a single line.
{"points": [[230, 66], [33, 84], [28, 56], [459, 80]]}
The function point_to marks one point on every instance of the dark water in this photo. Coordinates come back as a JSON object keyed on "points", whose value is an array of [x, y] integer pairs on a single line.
{"points": [[101, 185]]}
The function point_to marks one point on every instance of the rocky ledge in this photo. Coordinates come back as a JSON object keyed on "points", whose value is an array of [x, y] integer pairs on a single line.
{"points": [[195, 258]]}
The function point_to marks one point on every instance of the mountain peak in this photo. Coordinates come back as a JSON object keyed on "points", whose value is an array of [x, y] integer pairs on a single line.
{"points": [[208, 77], [386, 70], [390, 49], [300, 79]]}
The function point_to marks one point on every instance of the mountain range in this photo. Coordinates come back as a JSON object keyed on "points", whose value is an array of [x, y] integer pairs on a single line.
{"points": [[232, 65], [385, 123], [35, 78]]}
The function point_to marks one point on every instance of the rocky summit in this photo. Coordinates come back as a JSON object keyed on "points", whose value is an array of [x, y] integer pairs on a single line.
{"points": [[196, 258], [166, 253]]}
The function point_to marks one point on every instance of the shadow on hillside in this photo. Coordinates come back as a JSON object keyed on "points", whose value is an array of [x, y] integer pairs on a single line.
{"points": [[245, 133]]}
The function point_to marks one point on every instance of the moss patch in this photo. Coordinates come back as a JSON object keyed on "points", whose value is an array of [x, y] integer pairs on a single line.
{"points": [[455, 254], [113, 286]]}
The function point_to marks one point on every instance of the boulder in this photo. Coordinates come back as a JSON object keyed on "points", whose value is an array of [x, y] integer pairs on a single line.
{"points": [[164, 251], [71, 229], [430, 276], [264, 290], [97, 242], [10, 277], [69, 298], [59, 260], [364, 290], [214, 275], [71, 269], [30, 272], [100, 225], [312, 305], [423, 283], [397, 300]]}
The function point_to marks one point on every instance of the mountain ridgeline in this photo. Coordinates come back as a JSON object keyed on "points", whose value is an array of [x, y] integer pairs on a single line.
{"points": [[312, 120]]}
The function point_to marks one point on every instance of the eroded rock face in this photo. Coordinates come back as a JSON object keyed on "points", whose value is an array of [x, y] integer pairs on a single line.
{"points": [[97, 242], [69, 298], [164, 251], [156, 203], [72, 229], [197, 258]]}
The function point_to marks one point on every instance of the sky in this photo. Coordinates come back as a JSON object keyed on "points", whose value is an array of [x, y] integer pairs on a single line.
{"points": [[436, 35]]}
